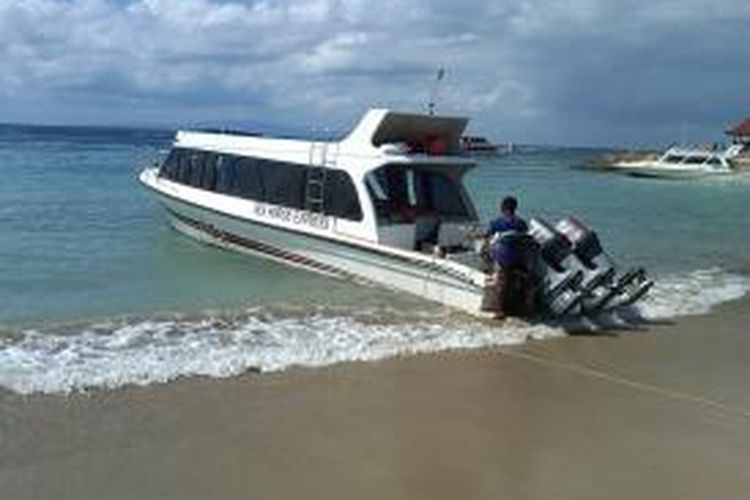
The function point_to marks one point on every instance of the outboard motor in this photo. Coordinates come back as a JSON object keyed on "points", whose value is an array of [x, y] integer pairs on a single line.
{"points": [[559, 283], [554, 248], [597, 269], [600, 284], [584, 241]]}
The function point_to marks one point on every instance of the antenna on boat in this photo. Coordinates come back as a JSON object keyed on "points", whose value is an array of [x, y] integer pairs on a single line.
{"points": [[433, 91]]}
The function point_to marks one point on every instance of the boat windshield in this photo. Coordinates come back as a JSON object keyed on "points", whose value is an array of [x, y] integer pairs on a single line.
{"points": [[402, 193], [695, 160]]}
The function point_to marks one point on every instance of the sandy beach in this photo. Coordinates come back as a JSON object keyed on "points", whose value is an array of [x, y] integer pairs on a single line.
{"points": [[658, 413], [251, 250]]}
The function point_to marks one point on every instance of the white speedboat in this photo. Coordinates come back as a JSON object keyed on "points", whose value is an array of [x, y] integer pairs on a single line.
{"points": [[386, 205], [683, 162]]}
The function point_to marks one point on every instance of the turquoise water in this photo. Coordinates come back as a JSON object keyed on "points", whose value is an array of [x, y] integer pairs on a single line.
{"points": [[79, 238], [82, 244], [668, 226]]}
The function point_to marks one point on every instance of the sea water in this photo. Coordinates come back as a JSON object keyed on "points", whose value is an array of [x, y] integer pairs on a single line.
{"points": [[96, 290]]}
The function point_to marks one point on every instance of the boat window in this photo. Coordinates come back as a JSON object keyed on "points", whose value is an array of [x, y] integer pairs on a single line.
{"points": [[714, 161], [225, 174], [377, 187], [185, 167], [283, 183], [374, 185], [411, 189], [396, 185], [695, 160], [169, 168], [411, 192], [340, 196], [248, 182], [673, 159], [196, 175], [273, 182], [209, 172], [445, 195]]}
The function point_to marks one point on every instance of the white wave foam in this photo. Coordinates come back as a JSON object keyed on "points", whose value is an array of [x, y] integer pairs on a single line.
{"points": [[110, 355], [694, 293], [113, 354]]}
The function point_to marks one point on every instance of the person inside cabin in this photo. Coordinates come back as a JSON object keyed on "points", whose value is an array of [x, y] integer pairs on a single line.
{"points": [[509, 247]]}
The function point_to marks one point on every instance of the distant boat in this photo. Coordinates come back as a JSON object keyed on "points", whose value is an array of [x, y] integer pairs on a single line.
{"points": [[479, 144], [683, 162]]}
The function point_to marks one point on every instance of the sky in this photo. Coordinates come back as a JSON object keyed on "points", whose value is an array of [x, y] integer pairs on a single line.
{"points": [[570, 72]]}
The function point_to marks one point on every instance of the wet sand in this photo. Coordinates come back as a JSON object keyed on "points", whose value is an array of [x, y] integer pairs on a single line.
{"points": [[661, 413]]}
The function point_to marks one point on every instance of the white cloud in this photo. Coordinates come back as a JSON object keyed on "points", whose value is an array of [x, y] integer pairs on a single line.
{"points": [[337, 53], [508, 62]]}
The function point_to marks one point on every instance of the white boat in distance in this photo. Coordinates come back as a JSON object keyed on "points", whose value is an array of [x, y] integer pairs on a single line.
{"points": [[385, 205], [683, 162]]}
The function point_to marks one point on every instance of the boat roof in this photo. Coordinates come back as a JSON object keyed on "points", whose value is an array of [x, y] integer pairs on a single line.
{"points": [[421, 138], [383, 126]]}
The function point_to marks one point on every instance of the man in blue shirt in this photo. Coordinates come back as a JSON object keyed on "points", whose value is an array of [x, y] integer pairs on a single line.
{"points": [[509, 250], [508, 222]]}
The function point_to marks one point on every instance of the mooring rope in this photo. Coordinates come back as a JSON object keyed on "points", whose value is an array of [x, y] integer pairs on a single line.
{"points": [[641, 386]]}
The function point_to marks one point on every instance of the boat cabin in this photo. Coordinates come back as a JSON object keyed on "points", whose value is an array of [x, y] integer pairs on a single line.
{"points": [[418, 205], [693, 159], [395, 180]]}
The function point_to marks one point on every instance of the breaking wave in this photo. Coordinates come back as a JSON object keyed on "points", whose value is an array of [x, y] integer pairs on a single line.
{"points": [[114, 353], [694, 293]]}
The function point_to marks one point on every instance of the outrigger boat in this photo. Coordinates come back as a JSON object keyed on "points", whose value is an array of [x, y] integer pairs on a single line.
{"points": [[385, 205]]}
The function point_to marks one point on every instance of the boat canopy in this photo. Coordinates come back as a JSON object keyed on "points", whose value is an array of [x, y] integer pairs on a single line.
{"points": [[440, 135]]}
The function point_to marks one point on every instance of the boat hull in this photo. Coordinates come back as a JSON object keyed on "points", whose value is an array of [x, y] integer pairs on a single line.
{"points": [[667, 172], [427, 279]]}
